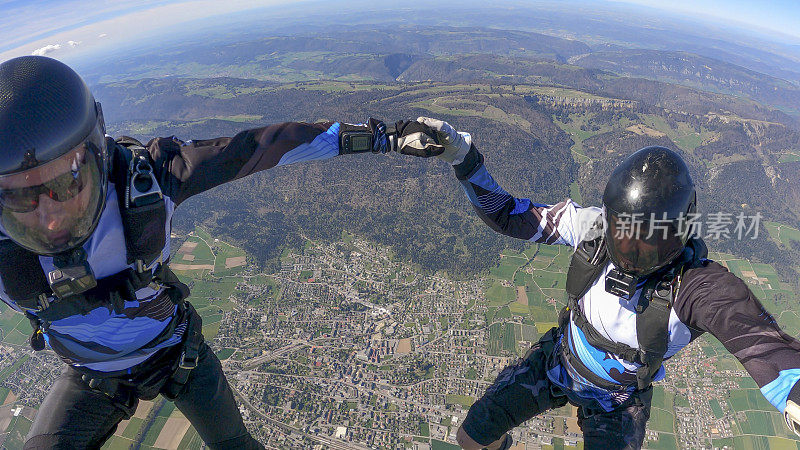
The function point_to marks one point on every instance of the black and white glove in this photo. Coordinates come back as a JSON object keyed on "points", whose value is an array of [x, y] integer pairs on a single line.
{"points": [[406, 136], [456, 144]]}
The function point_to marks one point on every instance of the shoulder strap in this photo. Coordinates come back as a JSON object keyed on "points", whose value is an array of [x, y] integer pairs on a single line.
{"points": [[24, 280], [654, 308], [652, 327], [141, 204], [587, 262]]}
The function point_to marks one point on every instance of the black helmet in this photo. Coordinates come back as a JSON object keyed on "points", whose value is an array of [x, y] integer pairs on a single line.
{"points": [[646, 205], [53, 156]]}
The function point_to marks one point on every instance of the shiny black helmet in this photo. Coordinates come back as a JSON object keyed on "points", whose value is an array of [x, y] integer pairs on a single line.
{"points": [[646, 204], [53, 156]]}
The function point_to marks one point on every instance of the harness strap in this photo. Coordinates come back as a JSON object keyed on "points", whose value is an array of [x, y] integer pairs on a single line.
{"points": [[150, 378], [652, 327], [652, 318], [189, 356], [37, 337], [601, 342], [141, 204], [585, 372]]}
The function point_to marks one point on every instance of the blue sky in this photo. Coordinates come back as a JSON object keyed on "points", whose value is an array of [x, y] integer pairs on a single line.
{"points": [[782, 16], [68, 27]]}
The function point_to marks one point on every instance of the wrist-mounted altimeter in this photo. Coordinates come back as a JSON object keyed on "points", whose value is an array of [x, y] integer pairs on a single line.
{"points": [[355, 141]]}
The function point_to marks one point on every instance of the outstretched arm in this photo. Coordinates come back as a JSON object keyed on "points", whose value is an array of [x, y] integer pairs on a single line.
{"points": [[716, 301], [188, 168], [562, 223]]}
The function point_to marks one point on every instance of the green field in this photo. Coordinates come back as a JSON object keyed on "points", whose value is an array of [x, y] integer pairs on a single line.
{"points": [[133, 428], [213, 293], [549, 280], [441, 445], [529, 333], [661, 420], [666, 441], [757, 443], [17, 430], [749, 399], [685, 136], [225, 353], [758, 422], [118, 443], [505, 271], [518, 309], [522, 278], [579, 130], [424, 429], [464, 400], [499, 295], [495, 345], [782, 233], [789, 157], [167, 409], [191, 440], [715, 408], [154, 431], [662, 399], [224, 251]]}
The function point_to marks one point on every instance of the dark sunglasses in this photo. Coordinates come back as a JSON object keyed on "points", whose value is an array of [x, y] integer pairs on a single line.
{"points": [[60, 189]]}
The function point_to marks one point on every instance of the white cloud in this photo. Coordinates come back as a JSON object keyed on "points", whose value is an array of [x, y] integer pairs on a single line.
{"points": [[46, 49], [102, 35], [74, 43]]}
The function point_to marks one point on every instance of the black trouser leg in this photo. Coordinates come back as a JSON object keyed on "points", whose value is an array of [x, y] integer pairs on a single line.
{"points": [[521, 391], [75, 416], [621, 429], [207, 401]]}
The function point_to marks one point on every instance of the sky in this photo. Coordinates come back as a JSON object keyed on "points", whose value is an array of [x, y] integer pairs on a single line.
{"points": [[67, 28], [64, 27], [782, 16]]}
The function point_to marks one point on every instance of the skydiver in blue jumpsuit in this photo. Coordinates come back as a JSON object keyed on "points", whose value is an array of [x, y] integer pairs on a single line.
{"points": [[78, 218], [613, 392]]}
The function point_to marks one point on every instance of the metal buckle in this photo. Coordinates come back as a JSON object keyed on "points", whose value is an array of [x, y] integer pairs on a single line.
{"points": [[187, 363], [141, 266], [665, 301], [43, 302], [140, 168]]}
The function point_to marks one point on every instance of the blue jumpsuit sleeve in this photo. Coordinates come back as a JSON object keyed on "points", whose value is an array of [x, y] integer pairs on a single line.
{"points": [[562, 223], [188, 168]]}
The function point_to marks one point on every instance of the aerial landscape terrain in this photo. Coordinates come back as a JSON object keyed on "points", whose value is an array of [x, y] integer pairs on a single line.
{"points": [[359, 302]]}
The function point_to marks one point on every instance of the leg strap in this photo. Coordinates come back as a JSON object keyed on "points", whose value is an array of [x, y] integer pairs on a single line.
{"points": [[189, 356]]}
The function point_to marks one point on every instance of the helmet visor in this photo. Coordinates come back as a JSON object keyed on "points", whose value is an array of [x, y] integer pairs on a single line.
{"points": [[52, 207], [639, 245]]}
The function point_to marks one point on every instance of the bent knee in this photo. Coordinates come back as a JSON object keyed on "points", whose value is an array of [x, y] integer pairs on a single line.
{"points": [[465, 441]]}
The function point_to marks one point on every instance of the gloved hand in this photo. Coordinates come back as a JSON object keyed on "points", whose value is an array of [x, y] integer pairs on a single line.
{"points": [[456, 144], [406, 136]]}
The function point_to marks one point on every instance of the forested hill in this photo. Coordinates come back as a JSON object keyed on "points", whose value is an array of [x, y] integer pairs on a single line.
{"points": [[408, 53], [697, 71]]}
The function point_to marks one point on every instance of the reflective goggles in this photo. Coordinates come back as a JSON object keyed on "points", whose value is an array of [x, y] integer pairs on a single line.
{"points": [[72, 174]]}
